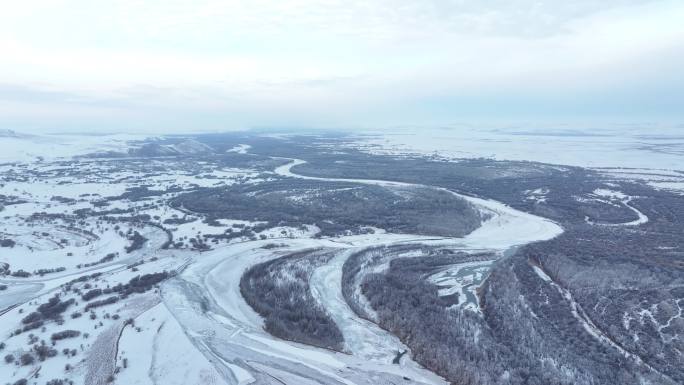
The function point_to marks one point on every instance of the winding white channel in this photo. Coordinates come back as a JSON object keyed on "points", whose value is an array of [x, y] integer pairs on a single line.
{"points": [[227, 330], [505, 228]]}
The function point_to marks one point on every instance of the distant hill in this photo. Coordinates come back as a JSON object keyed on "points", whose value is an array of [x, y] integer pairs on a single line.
{"points": [[6, 133], [186, 147]]}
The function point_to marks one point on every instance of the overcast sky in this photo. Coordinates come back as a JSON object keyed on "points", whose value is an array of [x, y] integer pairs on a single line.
{"points": [[177, 65]]}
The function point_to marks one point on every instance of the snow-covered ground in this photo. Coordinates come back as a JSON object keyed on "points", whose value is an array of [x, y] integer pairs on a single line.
{"points": [[586, 321], [662, 179], [160, 352], [625, 199], [26, 148], [220, 275], [362, 338], [198, 329], [56, 245], [226, 327], [591, 146], [202, 331], [462, 280], [240, 149], [90, 355], [506, 226], [231, 330]]}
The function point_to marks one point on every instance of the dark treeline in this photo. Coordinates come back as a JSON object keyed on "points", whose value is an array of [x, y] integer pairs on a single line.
{"points": [[506, 181], [629, 280], [626, 280], [337, 208], [279, 291], [508, 344]]}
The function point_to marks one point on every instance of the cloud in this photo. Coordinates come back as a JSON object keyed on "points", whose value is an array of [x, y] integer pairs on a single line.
{"points": [[265, 62]]}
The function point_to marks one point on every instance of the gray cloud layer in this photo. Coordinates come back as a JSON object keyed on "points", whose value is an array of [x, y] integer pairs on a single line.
{"points": [[207, 65]]}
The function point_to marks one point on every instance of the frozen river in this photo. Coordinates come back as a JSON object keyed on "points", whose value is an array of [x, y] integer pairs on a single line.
{"points": [[207, 302]]}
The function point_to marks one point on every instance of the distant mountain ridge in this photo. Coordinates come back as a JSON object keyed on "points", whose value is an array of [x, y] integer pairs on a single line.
{"points": [[158, 147], [7, 133]]}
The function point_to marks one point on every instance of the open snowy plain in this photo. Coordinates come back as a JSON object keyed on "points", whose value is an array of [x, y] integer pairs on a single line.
{"points": [[110, 274]]}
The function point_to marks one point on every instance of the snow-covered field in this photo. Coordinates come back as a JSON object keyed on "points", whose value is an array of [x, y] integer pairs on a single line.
{"points": [[161, 352], [625, 199], [57, 251], [202, 331], [506, 227], [195, 327], [26, 148], [591, 146], [462, 280], [233, 330]]}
